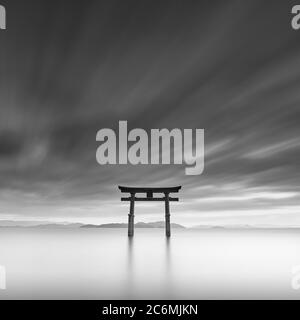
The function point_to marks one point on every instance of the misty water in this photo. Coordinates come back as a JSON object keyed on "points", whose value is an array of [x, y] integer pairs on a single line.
{"points": [[105, 264]]}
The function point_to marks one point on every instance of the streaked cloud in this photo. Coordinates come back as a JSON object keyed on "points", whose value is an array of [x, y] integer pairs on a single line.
{"points": [[231, 67]]}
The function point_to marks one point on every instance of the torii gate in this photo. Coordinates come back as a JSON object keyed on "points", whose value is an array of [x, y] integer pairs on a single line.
{"points": [[149, 197]]}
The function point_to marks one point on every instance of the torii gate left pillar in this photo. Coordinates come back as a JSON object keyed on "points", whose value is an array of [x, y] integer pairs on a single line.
{"points": [[131, 216], [149, 197]]}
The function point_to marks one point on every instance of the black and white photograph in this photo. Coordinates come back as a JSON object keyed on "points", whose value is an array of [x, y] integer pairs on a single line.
{"points": [[149, 150]]}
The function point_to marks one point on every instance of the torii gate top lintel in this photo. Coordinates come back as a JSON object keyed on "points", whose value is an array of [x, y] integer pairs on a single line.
{"points": [[149, 197], [149, 189]]}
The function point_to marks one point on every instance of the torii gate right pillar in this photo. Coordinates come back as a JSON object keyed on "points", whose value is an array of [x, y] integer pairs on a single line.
{"points": [[167, 215], [131, 216]]}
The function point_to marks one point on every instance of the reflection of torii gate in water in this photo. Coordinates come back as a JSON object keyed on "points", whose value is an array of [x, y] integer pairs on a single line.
{"points": [[149, 197]]}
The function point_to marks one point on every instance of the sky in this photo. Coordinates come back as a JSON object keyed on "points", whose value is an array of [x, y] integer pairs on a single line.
{"points": [[71, 68]]}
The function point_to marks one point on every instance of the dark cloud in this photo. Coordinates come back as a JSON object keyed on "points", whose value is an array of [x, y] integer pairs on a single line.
{"points": [[10, 144]]}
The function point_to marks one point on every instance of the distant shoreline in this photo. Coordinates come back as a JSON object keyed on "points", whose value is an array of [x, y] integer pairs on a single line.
{"points": [[139, 225]]}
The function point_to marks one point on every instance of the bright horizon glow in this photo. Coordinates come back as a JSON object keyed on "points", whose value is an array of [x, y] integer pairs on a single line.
{"points": [[261, 195]]}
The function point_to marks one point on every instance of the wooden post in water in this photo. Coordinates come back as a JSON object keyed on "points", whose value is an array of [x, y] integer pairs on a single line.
{"points": [[167, 215], [131, 216]]}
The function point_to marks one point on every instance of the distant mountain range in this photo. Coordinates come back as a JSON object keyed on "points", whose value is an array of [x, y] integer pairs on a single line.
{"points": [[157, 224], [37, 224], [49, 225]]}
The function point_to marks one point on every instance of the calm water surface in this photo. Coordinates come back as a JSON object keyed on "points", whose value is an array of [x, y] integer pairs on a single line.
{"points": [[105, 264]]}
